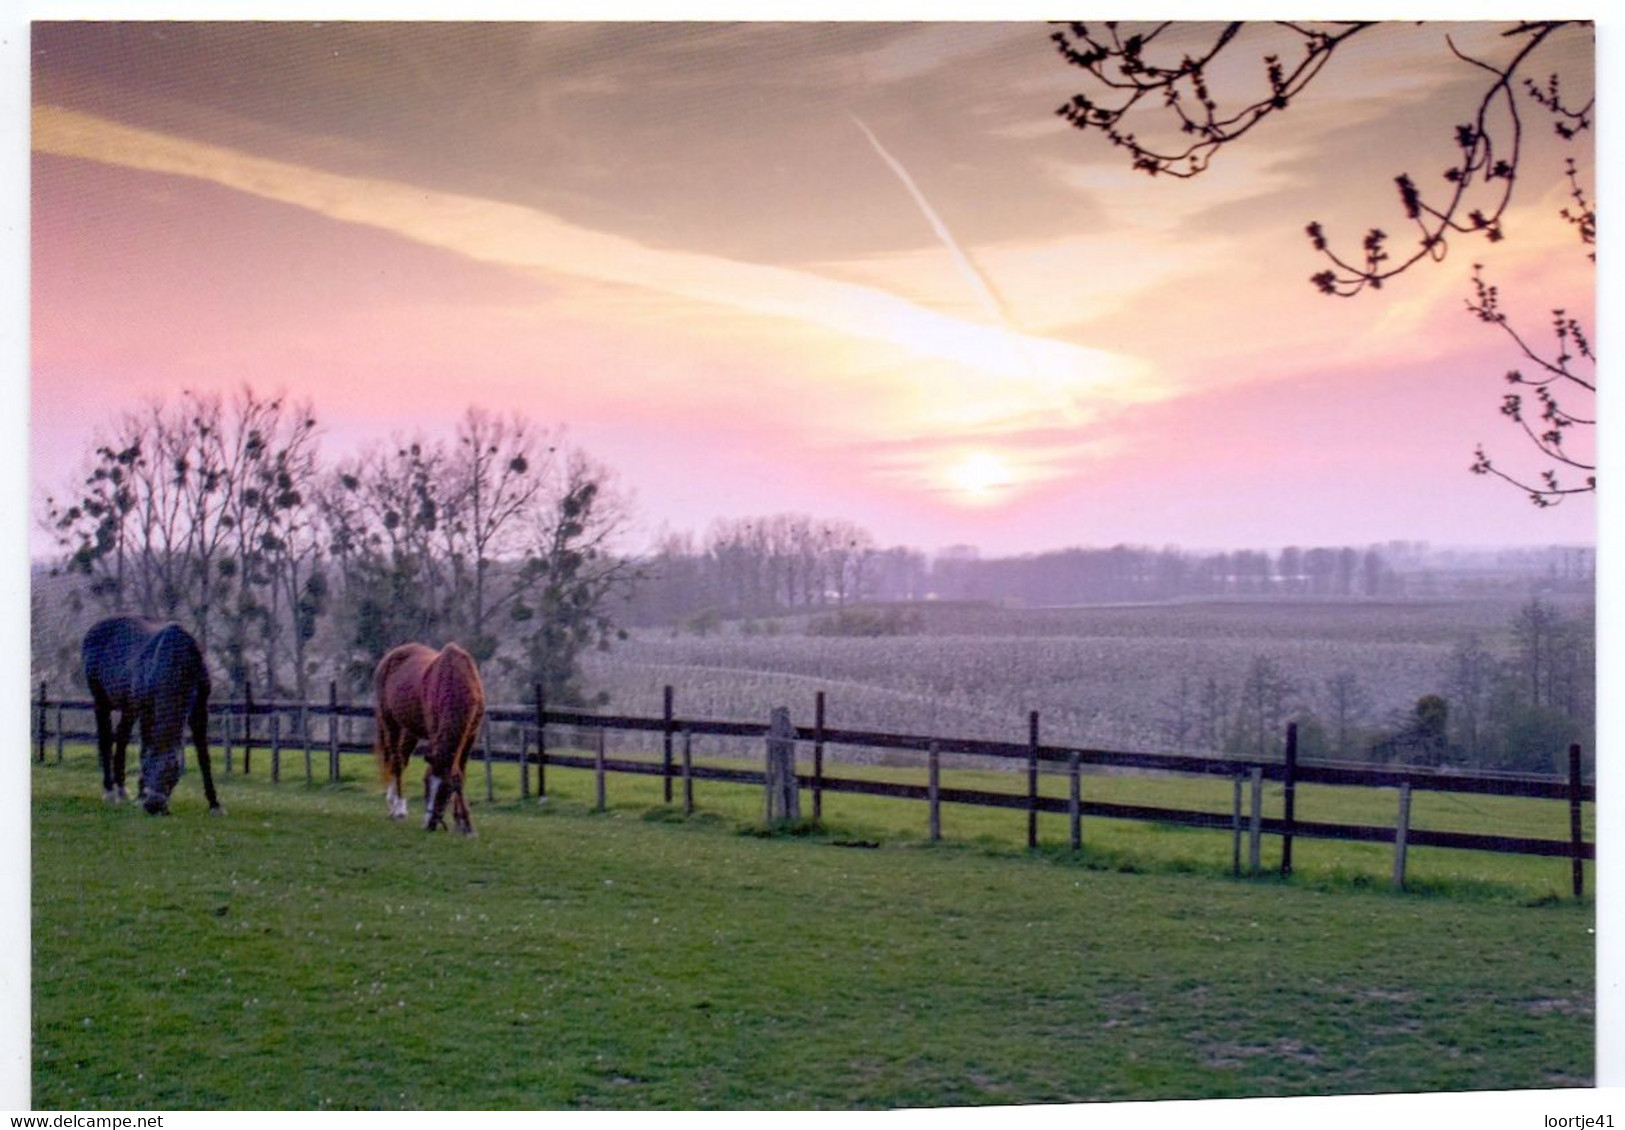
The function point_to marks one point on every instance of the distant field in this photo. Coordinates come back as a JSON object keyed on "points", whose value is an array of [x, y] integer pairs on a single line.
{"points": [[1101, 676], [304, 951]]}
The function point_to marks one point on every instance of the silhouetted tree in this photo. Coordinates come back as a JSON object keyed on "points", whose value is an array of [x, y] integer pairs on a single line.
{"points": [[1422, 736], [1178, 722], [1567, 370], [1347, 705], [1214, 704], [1166, 93], [197, 510], [1265, 702], [383, 511], [441, 542], [568, 606], [281, 592], [495, 475], [1471, 674]]}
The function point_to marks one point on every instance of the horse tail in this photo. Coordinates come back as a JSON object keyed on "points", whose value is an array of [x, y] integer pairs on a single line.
{"points": [[380, 752], [461, 680], [465, 741], [476, 715]]}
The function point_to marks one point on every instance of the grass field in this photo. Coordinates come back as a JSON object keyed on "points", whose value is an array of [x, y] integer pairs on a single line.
{"points": [[303, 951]]}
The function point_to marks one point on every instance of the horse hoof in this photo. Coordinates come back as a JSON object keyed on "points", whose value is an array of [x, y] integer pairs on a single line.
{"points": [[217, 810], [111, 796]]}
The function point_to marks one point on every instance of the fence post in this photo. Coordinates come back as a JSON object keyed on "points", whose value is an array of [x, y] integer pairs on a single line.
{"points": [[933, 791], [248, 727], [1574, 820], [332, 730], [688, 774], [1402, 833], [783, 791], [1255, 824], [276, 747], [598, 771], [1290, 788], [1075, 798], [225, 727], [485, 755], [541, 745], [818, 756], [304, 734], [59, 733], [665, 739], [1235, 827], [524, 764], [1032, 779], [40, 724]]}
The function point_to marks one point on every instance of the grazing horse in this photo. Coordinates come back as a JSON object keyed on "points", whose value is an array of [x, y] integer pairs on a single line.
{"points": [[436, 696], [153, 673]]}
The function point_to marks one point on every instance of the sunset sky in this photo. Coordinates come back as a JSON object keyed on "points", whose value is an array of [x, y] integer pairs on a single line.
{"points": [[857, 271], [851, 270]]}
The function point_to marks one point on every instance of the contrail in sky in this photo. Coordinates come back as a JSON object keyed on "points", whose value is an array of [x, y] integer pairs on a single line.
{"points": [[979, 283], [506, 235]]}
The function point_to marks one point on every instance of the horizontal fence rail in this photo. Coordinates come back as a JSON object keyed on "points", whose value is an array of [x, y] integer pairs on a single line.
{"points": [[241, 734]]}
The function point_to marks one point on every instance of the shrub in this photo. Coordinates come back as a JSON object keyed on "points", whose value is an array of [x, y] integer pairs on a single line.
{"points": [[869, 622]]}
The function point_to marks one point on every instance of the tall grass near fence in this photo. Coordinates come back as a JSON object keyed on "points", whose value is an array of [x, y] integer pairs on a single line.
{"points": [[305, 951]]}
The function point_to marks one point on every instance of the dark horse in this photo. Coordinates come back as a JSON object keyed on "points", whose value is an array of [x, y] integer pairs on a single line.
{"points": [[153, 673], [436, 696]]}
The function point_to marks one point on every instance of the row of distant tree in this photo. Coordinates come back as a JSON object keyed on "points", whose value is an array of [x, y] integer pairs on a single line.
{"points": [[1517, 709], [787, 563], [784, 563]]}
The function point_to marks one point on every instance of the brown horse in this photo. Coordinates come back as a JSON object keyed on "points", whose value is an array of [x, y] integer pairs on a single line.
{"points": [[424, 694]]}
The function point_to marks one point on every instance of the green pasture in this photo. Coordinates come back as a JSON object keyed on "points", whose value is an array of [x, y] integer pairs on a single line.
{"points": [[1109, 844], [304, 951], [1139, 846]]}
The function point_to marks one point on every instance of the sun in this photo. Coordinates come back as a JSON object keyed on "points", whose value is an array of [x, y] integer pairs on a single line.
{"points": [[980, 476]]}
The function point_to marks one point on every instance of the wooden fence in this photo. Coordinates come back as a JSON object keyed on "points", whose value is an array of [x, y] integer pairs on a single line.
{"points": [[246, 726]]}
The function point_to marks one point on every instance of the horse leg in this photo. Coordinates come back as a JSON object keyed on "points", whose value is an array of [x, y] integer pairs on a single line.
{"points": [[440, 784], [104, 742], [408, 746], [395, 751], [392, 796], [459, 803], [434, 800], [459, 809], [121, 746], [444, 782], [200, 740]]}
